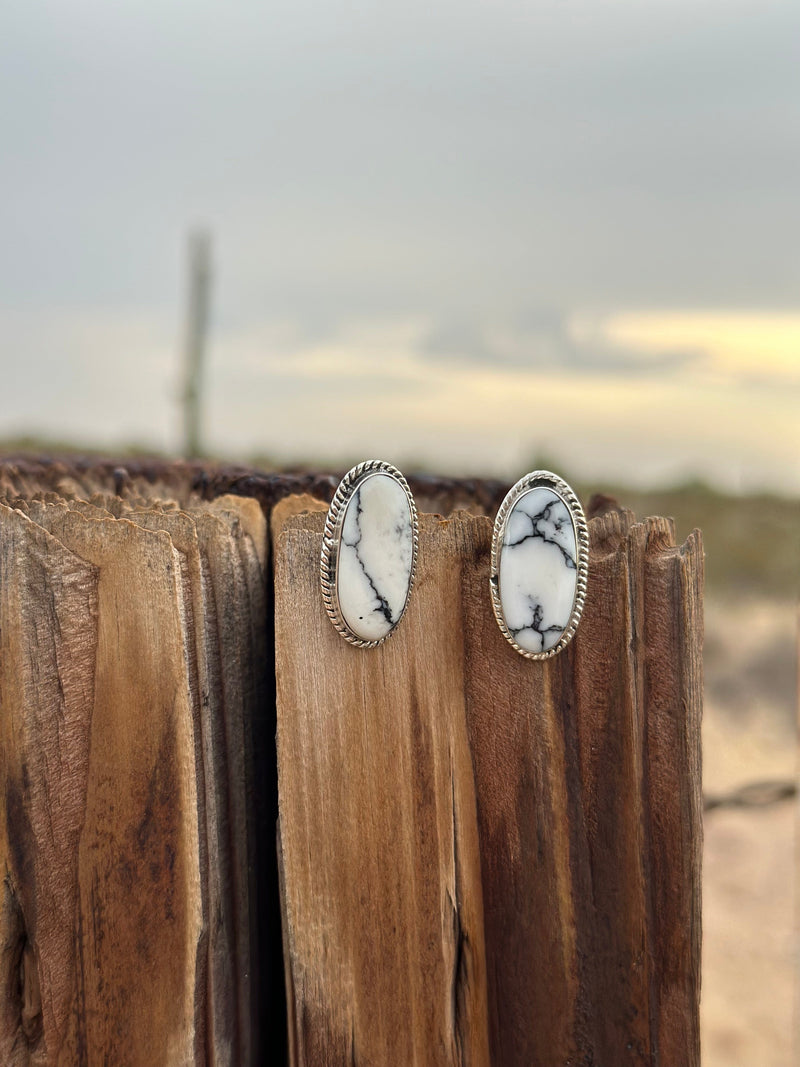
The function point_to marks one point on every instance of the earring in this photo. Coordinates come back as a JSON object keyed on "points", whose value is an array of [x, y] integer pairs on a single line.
{"points": [[540, 562], [369, 553]]}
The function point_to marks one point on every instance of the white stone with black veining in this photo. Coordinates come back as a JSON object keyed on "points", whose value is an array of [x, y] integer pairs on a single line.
{"points": [[375, 557], [538, 569]]}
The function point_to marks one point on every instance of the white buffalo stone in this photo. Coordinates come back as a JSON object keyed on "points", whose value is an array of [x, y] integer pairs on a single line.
{"points": [[538, 572], [375, 557]]}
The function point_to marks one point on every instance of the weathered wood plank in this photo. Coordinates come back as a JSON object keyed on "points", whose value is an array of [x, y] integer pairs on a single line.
{"points": [[48, 642], [153, 962], [672, 694], [377, 821], [221, 548], [233, 539], [222, 847], [139, 866], [483, 859], [582, 774]]}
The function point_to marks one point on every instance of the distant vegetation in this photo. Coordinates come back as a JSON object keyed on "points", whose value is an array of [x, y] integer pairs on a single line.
{"points": [[752, 543]]}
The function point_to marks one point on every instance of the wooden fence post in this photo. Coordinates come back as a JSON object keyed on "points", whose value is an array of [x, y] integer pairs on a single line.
{"points": [[488, 859], [483, 859]]}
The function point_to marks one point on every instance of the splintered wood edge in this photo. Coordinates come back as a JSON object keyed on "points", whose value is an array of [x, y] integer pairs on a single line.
{"points": [[294, 511]]}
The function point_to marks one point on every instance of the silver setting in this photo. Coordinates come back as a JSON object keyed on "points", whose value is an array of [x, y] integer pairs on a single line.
{"points": [[546, 480], [331, 540]]}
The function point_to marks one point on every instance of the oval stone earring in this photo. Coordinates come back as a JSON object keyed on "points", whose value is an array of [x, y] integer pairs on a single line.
{"points": [[540, 562], [369, 553]]}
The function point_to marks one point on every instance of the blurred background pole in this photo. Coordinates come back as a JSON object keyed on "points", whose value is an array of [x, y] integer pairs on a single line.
{"points": [[198, 294]]}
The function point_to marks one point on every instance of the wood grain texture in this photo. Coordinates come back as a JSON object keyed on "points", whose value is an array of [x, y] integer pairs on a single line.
{"points": [[48, 643], [574, 788], [139, 888], [133, 665], [481, 859], [378, 825]]}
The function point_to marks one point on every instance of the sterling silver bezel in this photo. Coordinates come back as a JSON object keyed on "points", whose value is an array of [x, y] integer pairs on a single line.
{"points": [[331, 540], [546, 480]]}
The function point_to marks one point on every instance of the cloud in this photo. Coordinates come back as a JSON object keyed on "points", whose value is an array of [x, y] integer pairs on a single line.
{"points": [[434, 157], [753, 347], [551, 342]]}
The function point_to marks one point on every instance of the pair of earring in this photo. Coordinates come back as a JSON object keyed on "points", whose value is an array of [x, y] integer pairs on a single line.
{"points": [[539, 560]]}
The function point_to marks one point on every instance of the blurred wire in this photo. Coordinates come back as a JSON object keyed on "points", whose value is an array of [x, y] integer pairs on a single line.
{"points": [[753, 795]]}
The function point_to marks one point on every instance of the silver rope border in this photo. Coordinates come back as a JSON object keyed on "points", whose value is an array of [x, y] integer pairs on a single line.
{"points": [[331, 539], [546, 480]]}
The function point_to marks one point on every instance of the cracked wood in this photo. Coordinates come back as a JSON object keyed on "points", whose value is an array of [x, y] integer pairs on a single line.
{"points": [[132, 665], [482, 859], [487, 859]]}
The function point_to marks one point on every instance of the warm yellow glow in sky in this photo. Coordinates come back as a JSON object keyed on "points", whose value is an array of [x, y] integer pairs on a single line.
{"points": [[373, 389], [763, 345], [732, 416]]}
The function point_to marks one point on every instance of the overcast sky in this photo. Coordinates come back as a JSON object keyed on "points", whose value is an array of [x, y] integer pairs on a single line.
{"points": [[462, 234]]}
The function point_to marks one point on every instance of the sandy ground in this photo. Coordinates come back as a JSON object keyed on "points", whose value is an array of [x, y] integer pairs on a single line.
{"points": [[750, 945]]}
